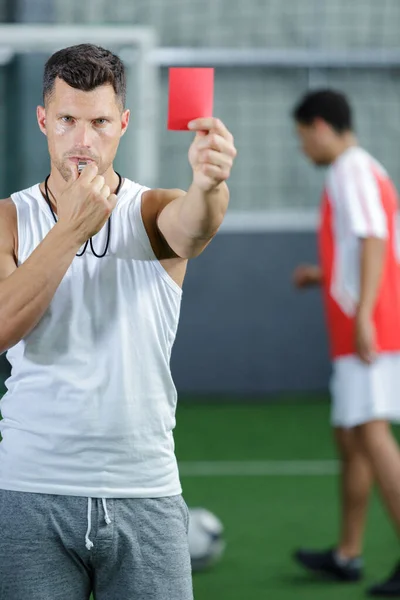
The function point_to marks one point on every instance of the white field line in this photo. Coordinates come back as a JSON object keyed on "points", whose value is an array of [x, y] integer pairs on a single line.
{"points": [[258, 468]]}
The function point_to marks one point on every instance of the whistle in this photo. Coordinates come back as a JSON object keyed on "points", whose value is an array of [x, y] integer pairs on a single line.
{"points": [[81, 166]]}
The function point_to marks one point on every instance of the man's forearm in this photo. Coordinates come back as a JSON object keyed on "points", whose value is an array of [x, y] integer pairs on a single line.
{"points": [[27, 292], [201, 213], [371, 267]]}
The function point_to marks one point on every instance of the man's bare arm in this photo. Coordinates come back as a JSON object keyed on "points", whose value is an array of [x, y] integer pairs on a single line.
{"points": [[191, 219], [26, 292], [306, 276], [371, 267]]}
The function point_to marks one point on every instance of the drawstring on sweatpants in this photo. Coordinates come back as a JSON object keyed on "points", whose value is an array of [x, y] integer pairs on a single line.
{"points": [[106, 516], [88, 542]]}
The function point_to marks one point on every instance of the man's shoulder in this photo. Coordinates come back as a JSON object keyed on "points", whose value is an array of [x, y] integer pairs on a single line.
{"points": [[355, 160], [7, 210], [8, 224], [11, 206], [352, 164]]}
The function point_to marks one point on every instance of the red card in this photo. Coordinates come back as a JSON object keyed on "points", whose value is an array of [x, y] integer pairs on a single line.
{"points": [[191, 96]]}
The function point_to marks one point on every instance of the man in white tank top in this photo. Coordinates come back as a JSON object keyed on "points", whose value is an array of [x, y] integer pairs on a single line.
{"points": [[91, 271]]}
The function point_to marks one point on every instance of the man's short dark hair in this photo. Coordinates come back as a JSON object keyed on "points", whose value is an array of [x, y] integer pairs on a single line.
{"points": [[85, 67], [329, 105]]}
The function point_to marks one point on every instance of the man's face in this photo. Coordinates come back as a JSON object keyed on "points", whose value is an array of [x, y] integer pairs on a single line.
{"points": [[316, 141], [82, 126]]}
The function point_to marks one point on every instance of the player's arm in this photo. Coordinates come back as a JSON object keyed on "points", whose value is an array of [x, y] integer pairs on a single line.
{"points": [[306, 276], [372, 257], [26, 291], [367, 221], [190, 220]]}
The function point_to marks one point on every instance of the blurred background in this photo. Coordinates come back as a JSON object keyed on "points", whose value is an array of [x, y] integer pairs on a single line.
{"points": [[250, 362]]}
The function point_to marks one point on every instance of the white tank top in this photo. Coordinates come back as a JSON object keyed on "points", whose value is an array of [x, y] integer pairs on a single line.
{"points": [[90, 406]]}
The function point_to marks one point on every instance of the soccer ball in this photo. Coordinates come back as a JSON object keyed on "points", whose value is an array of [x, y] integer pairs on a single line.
{"points": [[206, 543]]}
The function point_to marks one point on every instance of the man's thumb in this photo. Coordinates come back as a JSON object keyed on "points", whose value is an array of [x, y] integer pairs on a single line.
{"points": [[112, 201], [74, 174]]}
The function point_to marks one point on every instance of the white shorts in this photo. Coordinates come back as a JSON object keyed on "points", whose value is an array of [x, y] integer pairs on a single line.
{"points": [[362, 393]]}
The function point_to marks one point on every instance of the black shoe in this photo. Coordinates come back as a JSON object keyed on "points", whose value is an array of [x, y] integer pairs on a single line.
{"points": [[389, 588], [327, 563]]}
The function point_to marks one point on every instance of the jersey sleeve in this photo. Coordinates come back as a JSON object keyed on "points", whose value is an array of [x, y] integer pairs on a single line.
{"points": [[359, 195]]}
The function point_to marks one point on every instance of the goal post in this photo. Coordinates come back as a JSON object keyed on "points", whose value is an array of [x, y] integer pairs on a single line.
{"points": [[138, 157]]}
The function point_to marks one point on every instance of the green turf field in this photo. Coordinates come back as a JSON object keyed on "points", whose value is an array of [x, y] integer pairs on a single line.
{"points": [[266, 516]]}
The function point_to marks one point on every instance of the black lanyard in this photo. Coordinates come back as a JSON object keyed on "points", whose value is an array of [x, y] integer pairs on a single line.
{"points": [[46, 189]]}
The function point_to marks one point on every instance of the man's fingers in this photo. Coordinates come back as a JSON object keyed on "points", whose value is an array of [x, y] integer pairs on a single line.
{"points": [[366, 358], [74, 174], [215, 158], [217, 142], [208, 124], [97, 184], [89, 172], [298, 281], [105, 191], [366, 353], [301, 276], [211, 140], [112, 201], [214, 171]]}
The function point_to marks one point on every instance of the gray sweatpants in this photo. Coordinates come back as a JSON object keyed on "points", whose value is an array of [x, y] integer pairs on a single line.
{"points": [[65, 547]]}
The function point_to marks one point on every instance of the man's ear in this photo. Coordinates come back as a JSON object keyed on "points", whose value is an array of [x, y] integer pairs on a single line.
{"points": [[41, 119], [125, 121], [320, 124]]}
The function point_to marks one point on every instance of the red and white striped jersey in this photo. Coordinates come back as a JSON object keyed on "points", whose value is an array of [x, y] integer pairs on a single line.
{"points": [[359, 201]]}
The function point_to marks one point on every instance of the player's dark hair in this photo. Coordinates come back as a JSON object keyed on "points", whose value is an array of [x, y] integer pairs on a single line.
{"points": [[329, 105], [85, 67]]}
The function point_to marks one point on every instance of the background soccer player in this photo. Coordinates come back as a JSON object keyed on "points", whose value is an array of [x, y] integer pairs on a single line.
{"points": [[359, 274]]}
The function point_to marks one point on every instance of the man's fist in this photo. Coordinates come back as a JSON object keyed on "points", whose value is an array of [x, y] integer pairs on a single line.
{"points": [[211, 154], [365, 339], [86, 204], [307, 276]]}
